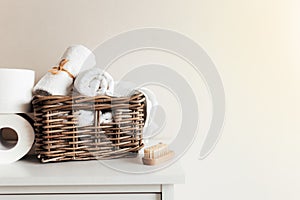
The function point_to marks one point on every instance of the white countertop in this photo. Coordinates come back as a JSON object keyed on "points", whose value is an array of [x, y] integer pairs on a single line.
{"points": [[30, 172]]}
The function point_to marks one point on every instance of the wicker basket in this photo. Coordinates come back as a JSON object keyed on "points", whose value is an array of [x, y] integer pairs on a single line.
{"points": [[60, 138]]}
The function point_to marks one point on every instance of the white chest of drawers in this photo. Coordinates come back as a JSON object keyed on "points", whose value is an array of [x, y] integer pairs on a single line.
{"points": [[89, 180]]}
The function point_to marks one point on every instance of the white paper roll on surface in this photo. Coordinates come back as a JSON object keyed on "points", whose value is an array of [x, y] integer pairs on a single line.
{"points": [[25, 139], [16, 90]]}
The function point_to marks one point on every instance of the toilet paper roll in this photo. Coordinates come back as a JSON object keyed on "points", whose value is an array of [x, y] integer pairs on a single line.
{"points": [[16, 90], [25, 133]]}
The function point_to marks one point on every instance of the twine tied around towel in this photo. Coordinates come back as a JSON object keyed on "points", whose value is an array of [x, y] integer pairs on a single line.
{"points": [[60, 68]]}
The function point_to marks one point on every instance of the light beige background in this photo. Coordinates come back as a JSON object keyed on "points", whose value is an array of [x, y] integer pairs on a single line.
{"points": [[255, 45]]}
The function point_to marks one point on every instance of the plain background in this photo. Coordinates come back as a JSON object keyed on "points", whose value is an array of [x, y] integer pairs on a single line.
{"points": [[255, 46]]}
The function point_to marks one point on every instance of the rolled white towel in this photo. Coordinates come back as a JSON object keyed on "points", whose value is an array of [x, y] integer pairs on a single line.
{"points": [[59, 80], [125, 88], [86, 118], [93, 82], [151, 105], [106, 118]]}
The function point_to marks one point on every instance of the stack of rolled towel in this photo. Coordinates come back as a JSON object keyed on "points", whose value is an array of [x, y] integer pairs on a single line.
{"points": [[77, 72], [59, 79]]}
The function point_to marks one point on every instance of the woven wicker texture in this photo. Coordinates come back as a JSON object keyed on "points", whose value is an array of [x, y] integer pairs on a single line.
{"points": [[60, 138]]}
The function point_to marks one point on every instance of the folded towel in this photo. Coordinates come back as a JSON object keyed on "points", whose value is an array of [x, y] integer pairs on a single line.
{"points": [[59, 80], [93, 82]]}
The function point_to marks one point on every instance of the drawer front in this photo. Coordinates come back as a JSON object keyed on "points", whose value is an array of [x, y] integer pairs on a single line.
{"points": [[145, 196]]}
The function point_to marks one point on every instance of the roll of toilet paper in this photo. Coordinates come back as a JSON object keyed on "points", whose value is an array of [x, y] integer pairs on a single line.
{"points": [[16, 90], [11, 152]]}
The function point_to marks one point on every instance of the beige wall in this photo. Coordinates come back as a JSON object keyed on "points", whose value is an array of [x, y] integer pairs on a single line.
{"points": [[255, 45]]}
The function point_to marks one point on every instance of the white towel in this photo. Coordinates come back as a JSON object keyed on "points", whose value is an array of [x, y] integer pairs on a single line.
{"points": [[59, 80], [94, 82], [151, 105], [105, 118], [125, 88], [86, 118]]}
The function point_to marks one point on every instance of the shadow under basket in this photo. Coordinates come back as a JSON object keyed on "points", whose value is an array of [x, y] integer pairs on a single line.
{"points": [[59, 137]]}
